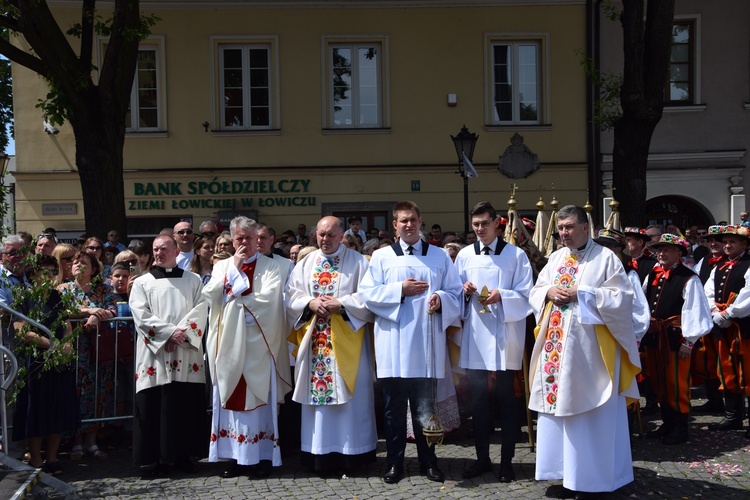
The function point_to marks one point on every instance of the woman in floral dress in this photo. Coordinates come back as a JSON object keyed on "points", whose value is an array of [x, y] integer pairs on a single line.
{"points": [[96, 303]]}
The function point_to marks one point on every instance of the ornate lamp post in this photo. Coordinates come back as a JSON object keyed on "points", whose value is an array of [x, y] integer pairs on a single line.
{"points": [[464, 143]]}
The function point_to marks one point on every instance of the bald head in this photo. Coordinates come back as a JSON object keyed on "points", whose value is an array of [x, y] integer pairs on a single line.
{"points": [[329, 232]]}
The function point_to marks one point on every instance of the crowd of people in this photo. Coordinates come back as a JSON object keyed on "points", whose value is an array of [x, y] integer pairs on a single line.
{"points": [[242, 320]]}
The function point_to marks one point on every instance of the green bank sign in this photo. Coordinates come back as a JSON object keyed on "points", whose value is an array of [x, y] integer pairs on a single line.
{"points": [[221, 195]]}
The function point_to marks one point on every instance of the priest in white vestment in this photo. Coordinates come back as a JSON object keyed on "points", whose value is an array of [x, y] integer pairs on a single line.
{"points": [[247, 355], [404, 283], [169, 313], [583, 365], [334, 374], [494, 331]]}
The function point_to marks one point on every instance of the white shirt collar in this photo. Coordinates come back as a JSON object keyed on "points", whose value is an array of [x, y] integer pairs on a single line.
{"points": [[416, 246], [493, 246], [250, 259]]}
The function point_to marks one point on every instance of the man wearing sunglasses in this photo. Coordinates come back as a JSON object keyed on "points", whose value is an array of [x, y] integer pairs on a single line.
{"points": [[208, 229], [113, 240], [12, 268], [45, 243], [184, 236]]}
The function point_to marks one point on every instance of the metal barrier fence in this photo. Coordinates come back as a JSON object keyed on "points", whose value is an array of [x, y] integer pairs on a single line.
{"points": [[105, 364], [110, 350]]}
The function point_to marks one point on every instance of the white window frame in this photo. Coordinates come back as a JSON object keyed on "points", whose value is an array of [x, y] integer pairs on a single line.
{"points": [[541, 41], [268, 42], [354, 43], [157, 44], [697, 102]]}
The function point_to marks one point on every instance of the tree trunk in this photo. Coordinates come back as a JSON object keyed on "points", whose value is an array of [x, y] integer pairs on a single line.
{"points": [[632, 139], [646, 50], [99, 157]]}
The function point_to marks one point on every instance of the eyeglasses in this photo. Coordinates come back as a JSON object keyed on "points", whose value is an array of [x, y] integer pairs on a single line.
{"points": [[68, 259], [48, 236], [481, 223], [94, 248], [12, 253], [205, 234], [184, 231]]}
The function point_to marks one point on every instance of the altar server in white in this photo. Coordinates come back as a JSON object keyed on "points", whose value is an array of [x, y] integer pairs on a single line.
{"points": [[493, 335], [169, 313], [404, 283]]}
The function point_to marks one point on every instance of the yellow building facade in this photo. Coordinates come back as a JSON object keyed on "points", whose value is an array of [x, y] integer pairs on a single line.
{"points": [[289, 112]]}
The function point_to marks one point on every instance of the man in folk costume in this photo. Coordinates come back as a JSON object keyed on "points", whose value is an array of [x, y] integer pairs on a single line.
{"points": [[728, 293], [247, 354], [585, 339], [636, 239], [403, 285], [169, 313], [493, 335], [679, 317], [704, 363], [334, 382]]}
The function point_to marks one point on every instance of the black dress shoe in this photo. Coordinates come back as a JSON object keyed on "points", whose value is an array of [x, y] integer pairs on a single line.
{"points": [[236, 470], [477, 469], [155, 472], [186, 465], [432, 472], [263, 469], [587, 495], [506, 475], [559, 491], [394, 474]]}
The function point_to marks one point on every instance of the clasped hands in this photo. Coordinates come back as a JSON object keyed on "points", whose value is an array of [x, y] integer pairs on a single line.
{"points": [[325, 305], [721, 319], [178, 337], [560, 295]]}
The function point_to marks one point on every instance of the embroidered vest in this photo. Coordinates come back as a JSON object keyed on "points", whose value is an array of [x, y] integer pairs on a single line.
{"points": [[664, 301]]}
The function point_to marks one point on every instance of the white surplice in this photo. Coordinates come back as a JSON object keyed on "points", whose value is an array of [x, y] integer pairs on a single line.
{"points": [[583, 435], [404, 331], [346, 423], [159, 306], [494, 341]]}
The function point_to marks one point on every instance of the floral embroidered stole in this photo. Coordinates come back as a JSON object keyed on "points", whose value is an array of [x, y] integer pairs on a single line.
{"points": [[325, 281]]}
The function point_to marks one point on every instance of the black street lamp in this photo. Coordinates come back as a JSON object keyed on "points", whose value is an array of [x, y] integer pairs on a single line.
{"points": [[464, 142]]}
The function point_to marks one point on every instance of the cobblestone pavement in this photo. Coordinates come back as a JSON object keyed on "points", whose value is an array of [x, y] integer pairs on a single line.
{"points": [[710, 465]]}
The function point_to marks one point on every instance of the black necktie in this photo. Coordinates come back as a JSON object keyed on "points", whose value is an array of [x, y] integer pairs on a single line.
{"points": [[486, 250], [410, 250]]}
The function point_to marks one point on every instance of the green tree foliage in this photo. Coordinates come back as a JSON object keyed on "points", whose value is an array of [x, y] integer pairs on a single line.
{"points": [[95, 110]]}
